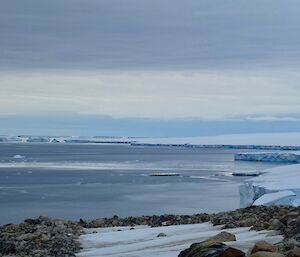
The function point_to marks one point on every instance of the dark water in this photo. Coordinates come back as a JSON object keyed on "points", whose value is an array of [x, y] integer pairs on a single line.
{"points": [[88, 181]]}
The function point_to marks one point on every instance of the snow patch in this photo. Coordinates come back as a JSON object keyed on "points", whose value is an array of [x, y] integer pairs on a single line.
{"points": [[143, 241]]}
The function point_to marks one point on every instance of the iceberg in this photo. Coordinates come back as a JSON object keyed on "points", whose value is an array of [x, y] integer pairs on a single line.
{"points": [[18, 156], [279, 198], [9, 139], [289, 157], [33, 139], [281, 185]]}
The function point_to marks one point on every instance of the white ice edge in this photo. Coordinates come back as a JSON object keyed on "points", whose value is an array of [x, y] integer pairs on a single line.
{"points": [[143, 241], [259, 139], [271, 198], [282, 156], [282, 184]]}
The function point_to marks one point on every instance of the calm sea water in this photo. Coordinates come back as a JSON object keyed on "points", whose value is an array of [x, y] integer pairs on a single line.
{"points": [[90, 181]]}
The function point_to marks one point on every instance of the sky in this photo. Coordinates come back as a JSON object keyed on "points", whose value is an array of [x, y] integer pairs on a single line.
{"points": [[149, 68]]}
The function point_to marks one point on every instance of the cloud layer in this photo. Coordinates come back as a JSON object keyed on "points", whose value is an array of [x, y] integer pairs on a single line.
{"points": [[167, 95], [152, 59], [141, 34]]}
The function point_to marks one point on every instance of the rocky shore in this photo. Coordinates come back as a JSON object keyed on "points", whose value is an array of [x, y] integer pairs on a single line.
{"points": [[52, 237], [40, 237]]}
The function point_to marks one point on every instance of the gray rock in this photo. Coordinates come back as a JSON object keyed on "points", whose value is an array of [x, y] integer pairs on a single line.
{"points": [[209, 249], [222, 237]]}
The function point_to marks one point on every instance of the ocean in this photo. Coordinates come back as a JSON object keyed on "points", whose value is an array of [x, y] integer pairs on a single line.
{"points": [[87, 181]]}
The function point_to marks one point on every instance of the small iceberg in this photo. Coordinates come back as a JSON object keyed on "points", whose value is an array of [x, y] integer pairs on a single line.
{"points": [[33, 139], [164, 174], [247, 173], [17, 156]]}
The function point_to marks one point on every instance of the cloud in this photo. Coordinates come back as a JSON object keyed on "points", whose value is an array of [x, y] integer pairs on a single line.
{"points": [[141, 34], [170, 59], [152, 94]]}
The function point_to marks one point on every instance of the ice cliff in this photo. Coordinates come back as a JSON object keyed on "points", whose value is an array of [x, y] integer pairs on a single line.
{"points": [[280, 185], [289, 157]]}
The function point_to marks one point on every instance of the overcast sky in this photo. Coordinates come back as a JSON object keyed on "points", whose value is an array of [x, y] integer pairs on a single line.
{"points": [[159, 59]]}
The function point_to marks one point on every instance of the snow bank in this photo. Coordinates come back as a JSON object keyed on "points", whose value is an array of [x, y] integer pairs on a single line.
{"points": [[283, 178], [291, 157], [143, 241]]}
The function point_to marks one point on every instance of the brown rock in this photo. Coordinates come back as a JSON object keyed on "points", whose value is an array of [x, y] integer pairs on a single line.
{"points": [[211, 249], [263, 246], [267, 254], [232, 252], [294, 253]]}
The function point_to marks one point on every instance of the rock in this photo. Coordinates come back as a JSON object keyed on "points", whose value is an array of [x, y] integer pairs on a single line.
{"points": [[7, 247], [266, 254], [211, 249], [263, 246], [276, 224], [294, 253], [40, 237], [161, 235], [232, 252], [222, 237], [288, 244]]}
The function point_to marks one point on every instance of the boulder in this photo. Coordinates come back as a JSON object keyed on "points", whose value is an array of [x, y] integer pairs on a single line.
{"points": [[266, 254], [288, 244], [161, 235], [222, 237], [263, 246], [294, 253], [211, 249]]}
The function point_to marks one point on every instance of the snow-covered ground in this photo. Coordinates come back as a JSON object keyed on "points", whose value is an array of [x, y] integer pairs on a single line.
{"points": [[143, 241]]}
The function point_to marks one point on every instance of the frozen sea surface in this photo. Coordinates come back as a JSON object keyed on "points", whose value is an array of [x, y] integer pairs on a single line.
{"points": [[89, 181]]}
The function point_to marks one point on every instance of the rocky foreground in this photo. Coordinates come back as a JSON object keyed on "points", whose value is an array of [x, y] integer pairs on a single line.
{"points": [[52, 237]]}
